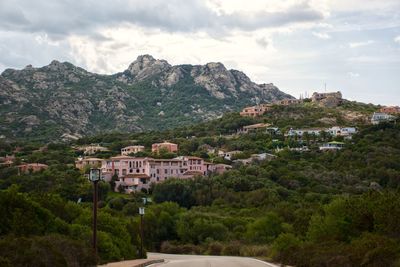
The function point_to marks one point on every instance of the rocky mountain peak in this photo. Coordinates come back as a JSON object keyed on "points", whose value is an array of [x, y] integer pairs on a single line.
{"points": [[146, 66]]}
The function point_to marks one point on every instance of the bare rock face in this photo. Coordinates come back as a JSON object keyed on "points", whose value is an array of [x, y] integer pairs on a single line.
{"points": [[146, 66], [63, 101]]}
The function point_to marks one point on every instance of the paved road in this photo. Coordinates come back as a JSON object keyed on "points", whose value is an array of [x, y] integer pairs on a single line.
{"points": [[206, 261]]}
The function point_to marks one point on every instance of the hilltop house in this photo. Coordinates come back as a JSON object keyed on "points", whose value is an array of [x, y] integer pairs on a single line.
{"points": [[288, 102], [331, 99], [170, 147], [379, 117], [131, 149], [255, 111], [390, 110]]}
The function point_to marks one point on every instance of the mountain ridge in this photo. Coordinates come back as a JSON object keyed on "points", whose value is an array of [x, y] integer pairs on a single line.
{"points": [[64, 99]]}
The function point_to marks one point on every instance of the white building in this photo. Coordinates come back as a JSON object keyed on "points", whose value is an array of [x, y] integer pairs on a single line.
{"points": [[301, 132], [131, 149], [379, 117]]}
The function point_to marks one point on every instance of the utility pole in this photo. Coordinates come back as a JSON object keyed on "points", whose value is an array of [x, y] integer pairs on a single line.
{"points": [[95, 177]]}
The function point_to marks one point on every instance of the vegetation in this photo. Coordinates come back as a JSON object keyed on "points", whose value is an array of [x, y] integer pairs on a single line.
{"points": [[300, 208]]}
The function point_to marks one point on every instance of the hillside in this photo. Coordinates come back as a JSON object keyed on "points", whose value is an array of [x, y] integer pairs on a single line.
{"points": [[302, 208], [62, 100]]}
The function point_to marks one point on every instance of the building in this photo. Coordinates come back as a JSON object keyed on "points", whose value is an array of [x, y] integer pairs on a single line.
{"points": [[379, 117], [131, 150], [7, 161], [320, 96], [332, 146], [288, 102], [135, 174], [252, 128], [31, 167], [93, 149], [81, 163], [342, 131], [228, 155], [167, 146], [390, 110], [301, 132], [255, 111], [329, 100]]}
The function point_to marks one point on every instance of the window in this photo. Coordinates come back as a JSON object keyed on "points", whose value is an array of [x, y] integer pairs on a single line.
{"points": [[124, 172], [166, 171]]}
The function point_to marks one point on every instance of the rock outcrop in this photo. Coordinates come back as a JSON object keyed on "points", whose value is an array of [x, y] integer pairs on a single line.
{"points": [[61, 99]]}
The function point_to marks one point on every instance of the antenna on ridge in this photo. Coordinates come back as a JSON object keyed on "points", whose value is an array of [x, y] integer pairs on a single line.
{"points": [[325, 87]]}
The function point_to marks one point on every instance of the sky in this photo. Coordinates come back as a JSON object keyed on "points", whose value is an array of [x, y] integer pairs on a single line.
{"points": [[299, 45]]}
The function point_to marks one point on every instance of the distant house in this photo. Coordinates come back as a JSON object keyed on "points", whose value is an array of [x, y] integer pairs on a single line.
{"points": [[255, 157], [301, 132], [252, 128], [7, 161], [390, 110], [332, 146], [342, 131], [288, 102], [320, 96], [228, 155], [131, 149], [331, 99], [255, 111], [81, 163], [273, 130], [170, 147], [221, 168], [379, 117], [31, 167], [93, 149]]}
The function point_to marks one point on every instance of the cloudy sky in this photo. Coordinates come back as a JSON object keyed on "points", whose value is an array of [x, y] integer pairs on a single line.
{"points": [[299, 45]]}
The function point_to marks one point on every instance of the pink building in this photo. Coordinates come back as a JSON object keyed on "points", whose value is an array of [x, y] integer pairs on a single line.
{"points": [[137, 173], [31, 167], [170, 147]]}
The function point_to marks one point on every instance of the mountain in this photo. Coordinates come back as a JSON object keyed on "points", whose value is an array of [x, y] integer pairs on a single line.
{"points": [[62, 100]]}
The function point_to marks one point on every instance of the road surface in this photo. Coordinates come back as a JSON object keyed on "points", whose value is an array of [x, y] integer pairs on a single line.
{"points": [[172, 260]]}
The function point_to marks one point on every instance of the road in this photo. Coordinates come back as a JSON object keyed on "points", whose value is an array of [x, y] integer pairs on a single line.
{"points": [[172, 260]]}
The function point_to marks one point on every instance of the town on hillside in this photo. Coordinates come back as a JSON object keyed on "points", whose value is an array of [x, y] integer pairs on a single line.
{"points": [[133, 172]]}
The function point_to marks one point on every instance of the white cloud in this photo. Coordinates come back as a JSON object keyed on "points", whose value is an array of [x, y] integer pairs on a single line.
{"points": [[322, 35], [360, 44], [397, 39]]}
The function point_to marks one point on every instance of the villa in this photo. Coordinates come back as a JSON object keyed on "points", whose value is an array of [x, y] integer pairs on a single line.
{"points": [[332, 146], [255, 111], [136, 173], [170, 147], [379, 117], [131, 150]]}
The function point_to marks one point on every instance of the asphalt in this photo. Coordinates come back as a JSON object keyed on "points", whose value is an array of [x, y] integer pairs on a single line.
{"points": [[172, 260]]}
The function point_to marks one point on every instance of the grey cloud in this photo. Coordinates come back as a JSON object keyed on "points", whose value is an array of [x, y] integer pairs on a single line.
{"points": [[60, 18]]}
